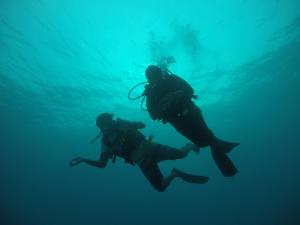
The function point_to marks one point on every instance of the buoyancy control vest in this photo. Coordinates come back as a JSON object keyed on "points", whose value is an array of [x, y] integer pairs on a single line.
{"points": [[125, 136]]}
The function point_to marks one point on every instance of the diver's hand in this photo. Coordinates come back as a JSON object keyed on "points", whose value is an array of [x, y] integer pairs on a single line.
{"points": [[191, 147], [76, 161]]}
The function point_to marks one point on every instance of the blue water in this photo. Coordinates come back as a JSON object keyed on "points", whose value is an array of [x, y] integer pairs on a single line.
{"points": [[63, 62]]}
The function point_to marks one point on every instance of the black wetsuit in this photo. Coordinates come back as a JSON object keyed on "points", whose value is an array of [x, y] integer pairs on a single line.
{"points": [[191, 124], [186, 117]]}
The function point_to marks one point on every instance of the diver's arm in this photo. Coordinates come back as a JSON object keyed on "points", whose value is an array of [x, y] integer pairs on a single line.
{"points": [[105, 155], [152, 107], [101, 163], [138, 125], [133, 124]]}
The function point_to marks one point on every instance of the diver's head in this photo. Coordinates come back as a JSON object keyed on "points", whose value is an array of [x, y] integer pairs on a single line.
{"points": [[154, 74], [104, 121]]}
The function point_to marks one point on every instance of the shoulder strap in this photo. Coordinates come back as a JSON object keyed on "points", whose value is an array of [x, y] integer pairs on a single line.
{"points": [[127, 135]]}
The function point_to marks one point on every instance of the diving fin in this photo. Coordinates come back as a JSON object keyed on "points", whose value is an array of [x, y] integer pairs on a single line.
{"points": [[219, 149], [224, 163], [224, 146], [190, 178]]}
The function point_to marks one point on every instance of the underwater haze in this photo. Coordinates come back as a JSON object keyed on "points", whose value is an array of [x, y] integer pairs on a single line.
{"points": [[63, 62]]}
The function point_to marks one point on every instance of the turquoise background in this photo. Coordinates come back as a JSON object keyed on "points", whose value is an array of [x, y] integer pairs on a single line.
{"points": [[63, 62]]}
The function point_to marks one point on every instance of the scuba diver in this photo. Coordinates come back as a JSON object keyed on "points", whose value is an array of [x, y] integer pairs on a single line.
{"points": [[122, 138], [170, 99]]}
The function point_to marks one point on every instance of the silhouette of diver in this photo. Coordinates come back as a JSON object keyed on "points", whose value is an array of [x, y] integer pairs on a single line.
{"points": [[169, 98], [121, 138]]}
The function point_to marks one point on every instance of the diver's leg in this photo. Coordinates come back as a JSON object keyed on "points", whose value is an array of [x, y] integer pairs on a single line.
{"points": [[190, 177], [192, 125], [79, 160], [155, 177], [160, 183], [164, 152], [195, 127]]}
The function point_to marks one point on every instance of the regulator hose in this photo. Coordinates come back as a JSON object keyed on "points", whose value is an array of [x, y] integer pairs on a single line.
{"points": [[142, 95], [129, 93]]}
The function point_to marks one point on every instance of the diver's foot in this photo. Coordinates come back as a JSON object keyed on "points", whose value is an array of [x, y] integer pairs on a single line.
{"points": [[76, 161], [189, 177], [222, 160]]}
